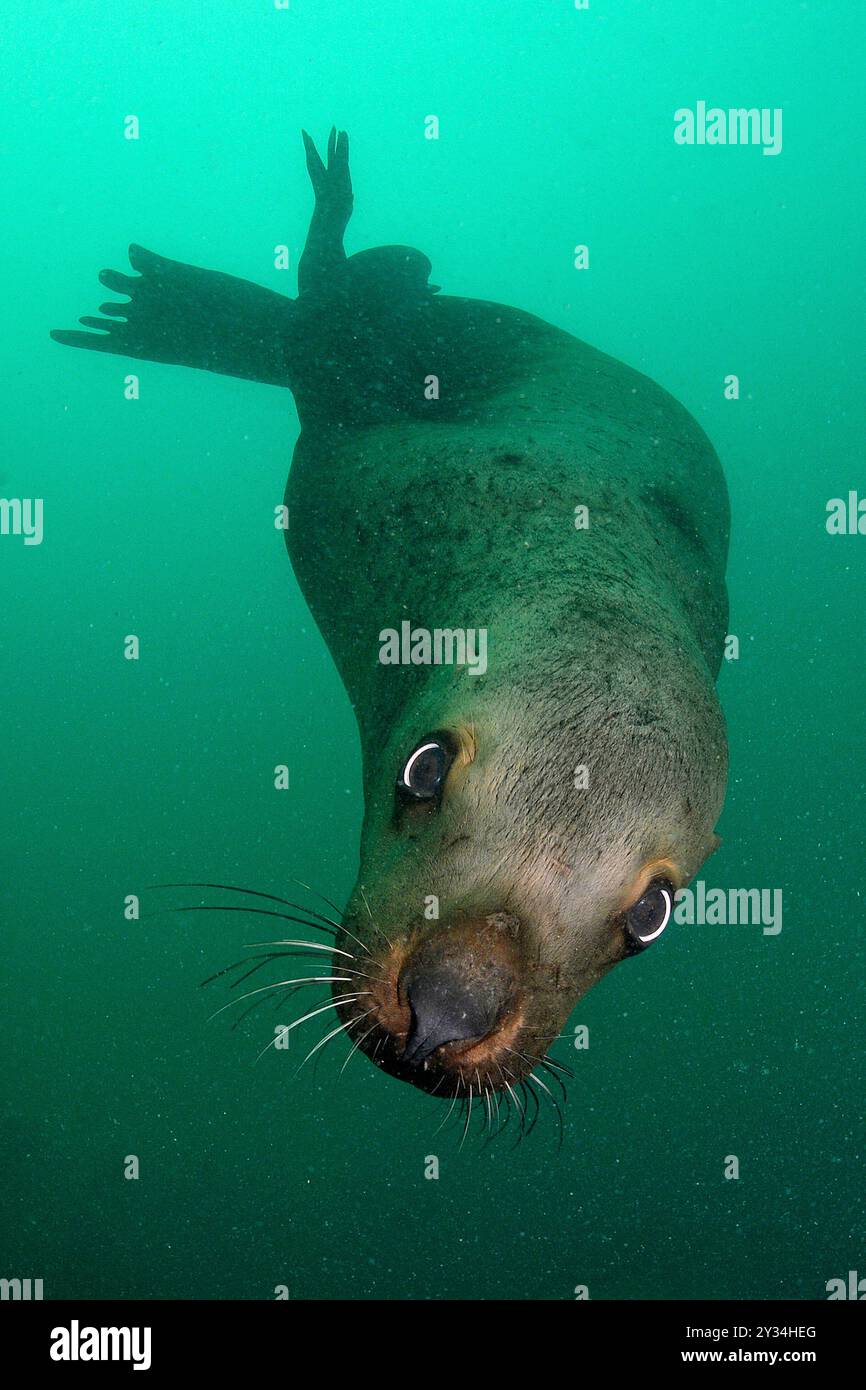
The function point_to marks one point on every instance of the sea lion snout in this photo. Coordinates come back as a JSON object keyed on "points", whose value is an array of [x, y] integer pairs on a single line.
{"points": [[444, 1004], [459, 984]]}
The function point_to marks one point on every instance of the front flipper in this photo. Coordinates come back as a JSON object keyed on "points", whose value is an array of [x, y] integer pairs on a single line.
{"points": [[192, 318]]}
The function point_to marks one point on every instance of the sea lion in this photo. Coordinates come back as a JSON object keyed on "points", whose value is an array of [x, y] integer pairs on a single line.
{"points": [[464, 468]]}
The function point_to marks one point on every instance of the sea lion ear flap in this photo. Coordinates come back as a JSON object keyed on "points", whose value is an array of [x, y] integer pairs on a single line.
{"points": [[715, 841]]}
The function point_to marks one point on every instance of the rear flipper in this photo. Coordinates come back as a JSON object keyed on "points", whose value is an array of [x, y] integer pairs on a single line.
{"points": [[191, 318], [324, 257], [361, 344]]}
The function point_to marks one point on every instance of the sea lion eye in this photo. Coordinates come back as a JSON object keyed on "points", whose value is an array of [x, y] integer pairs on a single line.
{"points": [[646, 921], [425, 770]]}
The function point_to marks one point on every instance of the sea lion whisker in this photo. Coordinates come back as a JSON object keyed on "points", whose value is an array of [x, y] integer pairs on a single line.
{"points": [[468, 1117], [276, 955], [311, 945], [492, 1100], [503, 1069], [464, 1113], [333, 1003], [365, 975], [328, 1036], [250, 911], [520, 1108], [529, 1090], [503, 1112], [280, 955], [254, 893], [560, 1066], [268, 897], [262, 961], [357, 940], [555, 1077], [317, 894], [286, 994], [522, 1055], [280, 984], [511, 1091], [363, 1038], [235, 965], [529, 1058], [538, 1081], [450, 1111], [554, 1102], [543, 1061], [508, 1089], [248, 1010], [507, 1121], [509, 1103], [278, 1002], [351, 935], [375, 923], [261, 965]]}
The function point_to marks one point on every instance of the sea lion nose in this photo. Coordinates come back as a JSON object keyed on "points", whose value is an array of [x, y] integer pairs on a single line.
{"points": [[445, 1009], [459, 982]]}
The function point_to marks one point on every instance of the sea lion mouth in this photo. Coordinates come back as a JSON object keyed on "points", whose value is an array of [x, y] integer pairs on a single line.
{"points": [[447, 1006]]}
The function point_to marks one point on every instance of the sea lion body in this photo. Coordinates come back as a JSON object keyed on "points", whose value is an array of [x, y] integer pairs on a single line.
{"points": [[526, 822], [477, 514], [603, 644]]}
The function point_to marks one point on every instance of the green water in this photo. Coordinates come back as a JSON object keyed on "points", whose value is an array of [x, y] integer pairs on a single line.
{"points": [[556, 129]]}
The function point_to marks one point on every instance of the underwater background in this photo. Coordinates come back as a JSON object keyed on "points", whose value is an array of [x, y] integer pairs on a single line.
{"points": [[556, 129]]}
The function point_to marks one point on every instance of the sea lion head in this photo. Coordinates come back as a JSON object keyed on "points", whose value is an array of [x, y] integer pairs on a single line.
{"points": [[383, 274], [525, 831]]}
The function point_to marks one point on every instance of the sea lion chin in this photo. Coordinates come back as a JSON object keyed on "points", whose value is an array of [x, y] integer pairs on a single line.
{"points": [[544, 755]]}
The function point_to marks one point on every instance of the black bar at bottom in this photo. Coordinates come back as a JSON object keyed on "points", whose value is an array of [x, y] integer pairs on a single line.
{"points": [[166, 1338]]}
